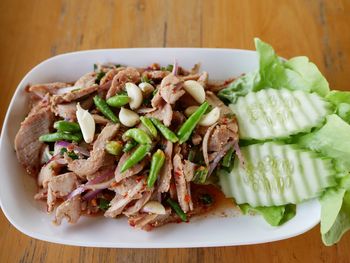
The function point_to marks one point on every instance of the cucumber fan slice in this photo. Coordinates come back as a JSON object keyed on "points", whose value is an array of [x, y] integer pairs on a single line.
{"points": [[276, 174], [271, 113]]}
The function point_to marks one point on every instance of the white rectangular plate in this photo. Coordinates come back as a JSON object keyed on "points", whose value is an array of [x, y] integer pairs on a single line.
{"points": [[17, 188]]}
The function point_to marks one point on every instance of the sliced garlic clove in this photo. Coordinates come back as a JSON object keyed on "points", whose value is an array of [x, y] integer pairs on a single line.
{"points": [[195, 89], [190, 110], [86, 123], [128, 118], [154, 207], [135, 95], [210, 118], [146, 88]]}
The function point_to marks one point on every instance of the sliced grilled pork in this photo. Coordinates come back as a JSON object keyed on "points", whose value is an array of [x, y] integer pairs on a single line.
{"points": [[171, 88], [70, 209], [163, 113], [119, 202], [51, 88], [127, 75], [131, 171], [182, 188], [58, 187], [27, 145], [166, 171], [138, 204], [98, 156], [66, 111]]}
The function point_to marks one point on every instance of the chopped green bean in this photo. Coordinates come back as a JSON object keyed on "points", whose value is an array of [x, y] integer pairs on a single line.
{"points": [[102, 105], [187, 128], [140, 136], [200, 175], [157, 163], [136, 157], [227, 160], [118, 100], [165, 131], [66, 126], [129, 146], [61, 136], [114, 147], [175, 206], [149, 125]]}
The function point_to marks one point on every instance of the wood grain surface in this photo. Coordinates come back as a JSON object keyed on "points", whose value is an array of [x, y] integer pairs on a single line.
{"points": [[34, 30]]}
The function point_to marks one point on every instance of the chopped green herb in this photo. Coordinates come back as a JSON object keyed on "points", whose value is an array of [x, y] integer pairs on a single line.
{"points": [[118, 65], [206, 199], [95, 67], [72, 155], [63, 150], [167, 68], [99, 76], [103, 204]]}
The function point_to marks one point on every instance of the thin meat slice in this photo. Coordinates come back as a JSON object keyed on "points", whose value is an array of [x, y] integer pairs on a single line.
{"points": [[183, 192], [138, 204], [206, 142], [66, 111], [165, 172], [127, 75], [171, 88], [155, 74], [214, 101], [225, 131], [119, 202], [27, 145], [58, 187], [110, 75], [163, 113], [140, 221], [74, 95], [86, 81], [203, 79], [70, 209], [131, 171], [189, 169], [98, 156], [47, 172], [44, 88], [157, 100]]}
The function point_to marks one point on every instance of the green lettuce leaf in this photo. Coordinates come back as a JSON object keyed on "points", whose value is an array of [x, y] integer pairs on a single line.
{"points": [[341, 99], [295, 74], [341, 223], [274, 215], [332, 140], [331, 203], [337, 97], [240, 87]]}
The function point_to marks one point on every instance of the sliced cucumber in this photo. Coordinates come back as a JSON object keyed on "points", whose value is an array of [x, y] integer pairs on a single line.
{"points": [[272, 113], [276, 174]]}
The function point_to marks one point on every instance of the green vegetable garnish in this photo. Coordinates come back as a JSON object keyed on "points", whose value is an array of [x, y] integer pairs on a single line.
{"points": [[103, 204]]}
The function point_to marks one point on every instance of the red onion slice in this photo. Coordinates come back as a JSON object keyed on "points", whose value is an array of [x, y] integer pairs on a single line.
{"points": [[91, 195], [239, 154], [175, 68], [219, 156]]}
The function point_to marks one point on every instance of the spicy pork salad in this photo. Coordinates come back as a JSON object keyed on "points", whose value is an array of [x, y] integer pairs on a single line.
{"points": [[156, 144]]}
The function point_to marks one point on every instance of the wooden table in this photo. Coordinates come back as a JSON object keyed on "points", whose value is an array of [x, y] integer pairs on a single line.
{"points": [[32, 31]]}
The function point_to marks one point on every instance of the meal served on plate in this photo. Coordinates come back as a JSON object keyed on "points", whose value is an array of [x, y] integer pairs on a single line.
{"points": [[156, 144]]}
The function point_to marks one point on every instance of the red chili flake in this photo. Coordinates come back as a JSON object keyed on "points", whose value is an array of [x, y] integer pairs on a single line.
{"points": [[132, 223], [70, 147], [187, 198], [138, 179], [177, 173]]}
